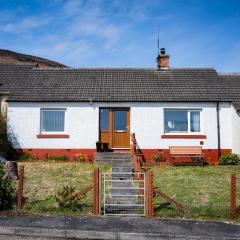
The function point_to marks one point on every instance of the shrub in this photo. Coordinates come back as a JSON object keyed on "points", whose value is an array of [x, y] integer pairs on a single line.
{"points": [[229, 159], [158, 157], [67, 198], [7, 192], [26, 157], [58, 158], [6, 146], [80, 158]]}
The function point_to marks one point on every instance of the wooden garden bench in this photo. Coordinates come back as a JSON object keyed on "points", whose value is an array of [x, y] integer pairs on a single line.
{"points": [[194, 153]]}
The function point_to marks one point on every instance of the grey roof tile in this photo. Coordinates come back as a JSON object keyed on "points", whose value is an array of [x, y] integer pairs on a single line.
{"points": [[26, 83], [232, 87]]}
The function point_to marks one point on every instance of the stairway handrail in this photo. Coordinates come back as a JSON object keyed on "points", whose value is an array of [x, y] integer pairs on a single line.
{"points": [[134, 154]]}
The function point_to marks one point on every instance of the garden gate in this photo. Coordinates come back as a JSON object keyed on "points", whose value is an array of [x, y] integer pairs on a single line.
{"points": [[124, 193]]}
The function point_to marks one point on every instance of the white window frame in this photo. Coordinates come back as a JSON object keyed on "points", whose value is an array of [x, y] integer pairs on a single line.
{"points": [[51, 110], [188, 118]]}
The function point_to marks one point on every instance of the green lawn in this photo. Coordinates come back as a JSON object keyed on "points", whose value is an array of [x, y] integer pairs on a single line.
{"points": [[204, 191], [43, 180]]}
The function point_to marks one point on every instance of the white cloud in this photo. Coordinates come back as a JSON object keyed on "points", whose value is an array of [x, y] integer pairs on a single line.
{"points": [[71, 48], [93, 21], [102, 29], [72, 6], [26, 24], [69, 52]]}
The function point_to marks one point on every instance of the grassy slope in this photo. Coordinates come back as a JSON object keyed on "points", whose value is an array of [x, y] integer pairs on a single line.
{"points": [[204, 191], [43, 180]]}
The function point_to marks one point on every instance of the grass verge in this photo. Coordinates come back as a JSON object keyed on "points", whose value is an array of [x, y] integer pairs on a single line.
{"points": [[204, 191], [43, 181]]}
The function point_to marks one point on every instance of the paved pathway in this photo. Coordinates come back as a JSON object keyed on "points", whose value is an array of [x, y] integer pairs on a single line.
{"points": [[121, 194]]}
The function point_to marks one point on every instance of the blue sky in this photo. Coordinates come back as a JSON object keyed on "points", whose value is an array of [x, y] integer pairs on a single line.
{"points": [[123, 33]]}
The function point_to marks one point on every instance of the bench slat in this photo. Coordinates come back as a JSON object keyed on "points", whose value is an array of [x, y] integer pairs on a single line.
{"points": [[191, 150]]}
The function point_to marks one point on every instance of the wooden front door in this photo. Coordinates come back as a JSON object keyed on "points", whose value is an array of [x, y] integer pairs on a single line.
{"points": [[115, 127]]}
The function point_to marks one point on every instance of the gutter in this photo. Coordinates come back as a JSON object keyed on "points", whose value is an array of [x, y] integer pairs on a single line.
{"points": [[39, 232], [218, 131]]}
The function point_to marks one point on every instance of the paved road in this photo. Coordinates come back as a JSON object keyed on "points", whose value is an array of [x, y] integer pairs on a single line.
{"points": [[18, 227]]}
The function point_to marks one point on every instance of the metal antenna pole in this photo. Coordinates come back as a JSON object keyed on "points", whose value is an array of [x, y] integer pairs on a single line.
{"points": [[158, 39]]}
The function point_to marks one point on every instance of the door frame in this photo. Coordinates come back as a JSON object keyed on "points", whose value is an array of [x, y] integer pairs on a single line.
{"points": [[111, 124]]}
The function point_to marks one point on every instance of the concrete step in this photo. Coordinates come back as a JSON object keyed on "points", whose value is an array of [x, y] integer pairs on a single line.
{"points": [[114, 162], [102, 156], [121, 197], [124, 210], [114, 159], [121, 169], [113, 153], [126, 192], [123, 165], [124, 201], [122, 184], [119, 176]]}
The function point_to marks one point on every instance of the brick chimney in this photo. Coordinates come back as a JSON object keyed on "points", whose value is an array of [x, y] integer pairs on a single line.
{"points": [[163, 60]]}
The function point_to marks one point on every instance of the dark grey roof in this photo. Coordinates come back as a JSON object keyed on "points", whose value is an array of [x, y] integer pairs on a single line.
{"points": [[232, 87], [26, 83]]}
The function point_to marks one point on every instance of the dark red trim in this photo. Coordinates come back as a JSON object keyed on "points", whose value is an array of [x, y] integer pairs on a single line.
{"points": [[52, 136], [210, 155], [42, 153], [183, 136]]}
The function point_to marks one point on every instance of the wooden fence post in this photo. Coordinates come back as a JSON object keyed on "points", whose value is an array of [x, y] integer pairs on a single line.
{"points": [[233, 195], [20, 187], [96, 192], [149, 194]]}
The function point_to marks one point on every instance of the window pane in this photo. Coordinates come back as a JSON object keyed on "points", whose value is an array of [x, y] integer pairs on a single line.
{"points": [[104, 113], [120, 120], [176, 121], [195, 121], [53, 121]]}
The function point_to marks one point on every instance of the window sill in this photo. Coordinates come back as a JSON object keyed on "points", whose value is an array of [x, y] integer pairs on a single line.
{"points": [[52, 136], [184, 136]]}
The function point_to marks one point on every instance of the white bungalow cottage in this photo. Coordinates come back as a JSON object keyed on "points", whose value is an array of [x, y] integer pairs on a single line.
{"points": [[60, 111]]}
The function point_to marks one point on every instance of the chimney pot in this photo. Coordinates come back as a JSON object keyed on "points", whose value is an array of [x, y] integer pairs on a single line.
{"points": [[162, 51], [163, 60]]}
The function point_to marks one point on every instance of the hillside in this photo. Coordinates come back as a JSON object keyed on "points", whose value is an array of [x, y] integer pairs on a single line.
{"points": [[11, 57]]}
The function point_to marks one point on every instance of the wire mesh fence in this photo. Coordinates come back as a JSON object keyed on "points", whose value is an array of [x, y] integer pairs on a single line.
{"points": [[199, 194], [190, 192], [58, 188], [124, 193]]}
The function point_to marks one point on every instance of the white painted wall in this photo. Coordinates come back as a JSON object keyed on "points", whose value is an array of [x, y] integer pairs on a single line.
{"points": [[146, 121], [81, 125], [235, 130], [226, 127]]}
